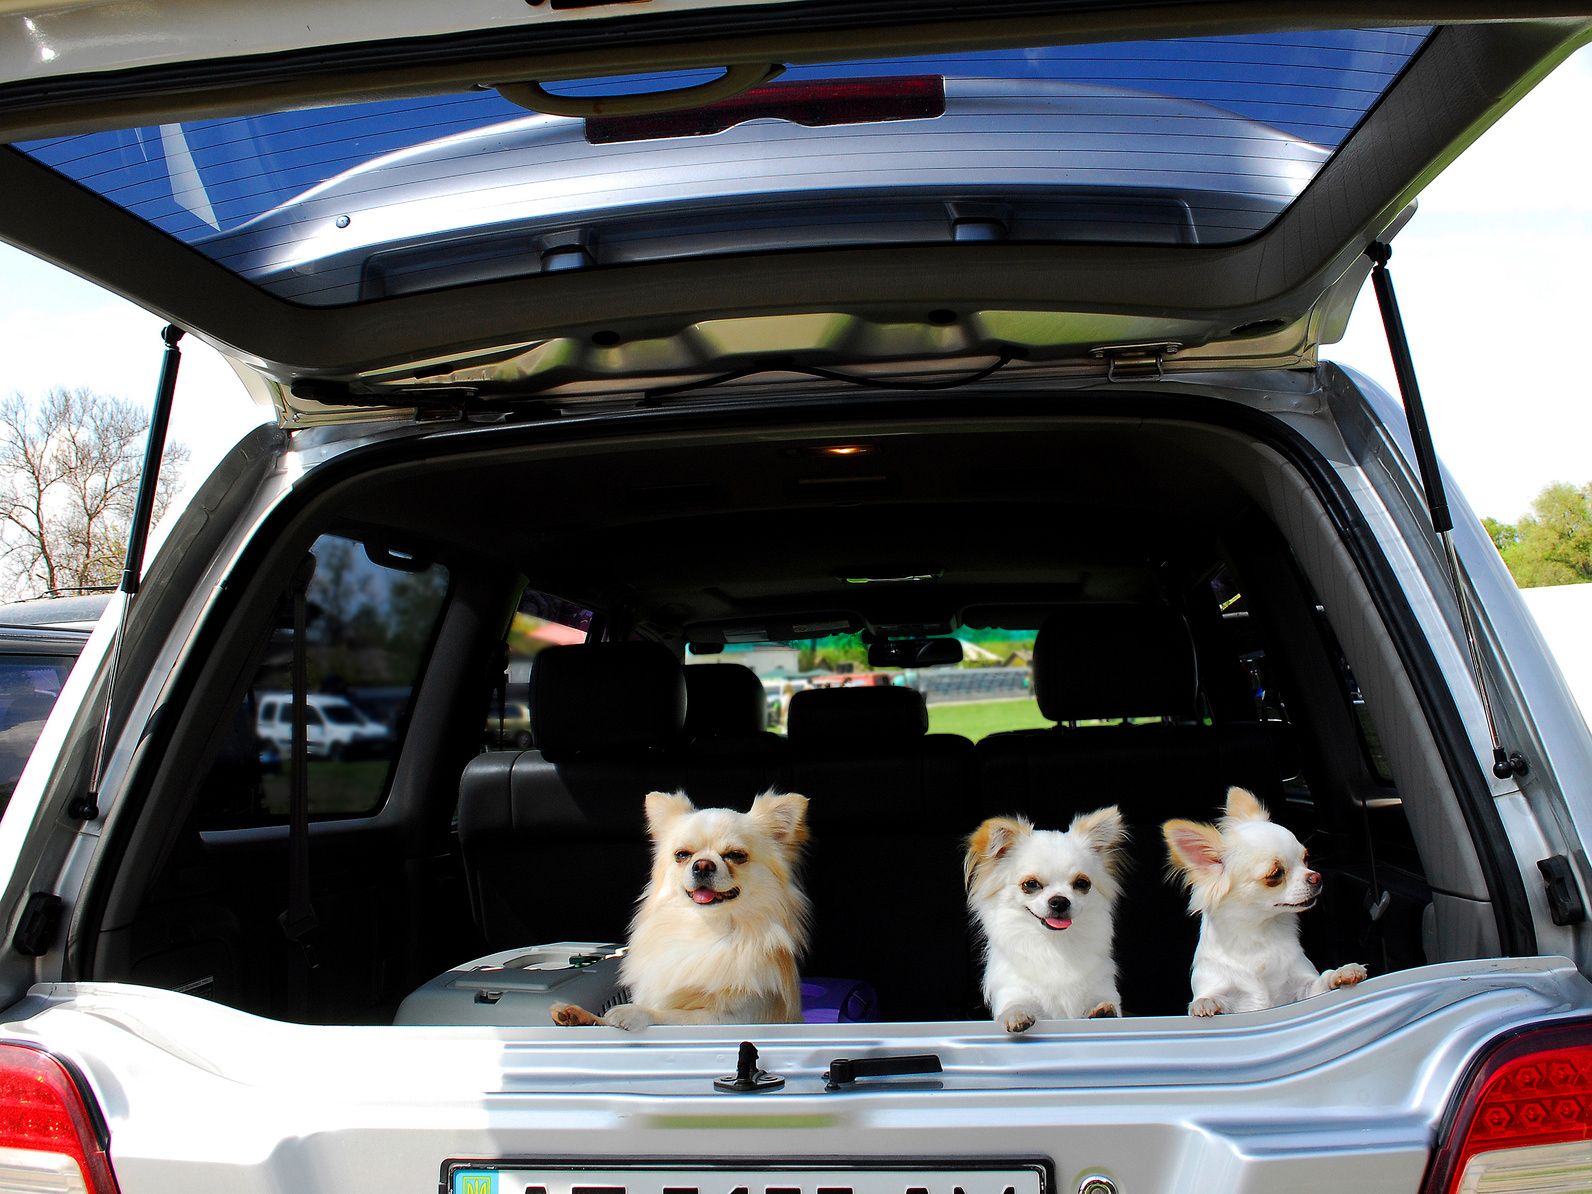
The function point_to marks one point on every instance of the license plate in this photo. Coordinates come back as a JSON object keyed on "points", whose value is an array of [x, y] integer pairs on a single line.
{"points": [[508, 1177]]}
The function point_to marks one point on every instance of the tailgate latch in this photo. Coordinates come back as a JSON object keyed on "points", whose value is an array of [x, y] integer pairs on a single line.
{"points": [[1135, 362]]}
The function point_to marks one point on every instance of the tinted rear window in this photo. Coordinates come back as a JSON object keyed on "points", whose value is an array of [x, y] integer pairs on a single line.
{"points": [[1189, 141]]}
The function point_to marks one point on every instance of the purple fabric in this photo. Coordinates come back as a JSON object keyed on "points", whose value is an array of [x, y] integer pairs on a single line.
{"points": [[838, 1001]]}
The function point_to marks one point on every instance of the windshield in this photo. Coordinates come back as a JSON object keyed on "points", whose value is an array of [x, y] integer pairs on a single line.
{"points": [[990, 691], [1191, 141]]}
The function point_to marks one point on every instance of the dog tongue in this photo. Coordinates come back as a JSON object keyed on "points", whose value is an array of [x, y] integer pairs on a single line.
{"points": [[1057, 922], [704, 895]]}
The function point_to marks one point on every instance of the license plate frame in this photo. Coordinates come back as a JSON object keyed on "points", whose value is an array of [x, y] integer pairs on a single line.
{"points": [[745, 1176]]}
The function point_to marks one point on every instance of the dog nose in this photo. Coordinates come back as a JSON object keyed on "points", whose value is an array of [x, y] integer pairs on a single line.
{"points": [[704, 866], [1059, 905], [1313, 878]]}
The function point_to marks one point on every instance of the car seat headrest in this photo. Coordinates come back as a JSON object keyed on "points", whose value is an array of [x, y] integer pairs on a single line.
{"points": [[1115, 660], [606, 696], [885, 713]]}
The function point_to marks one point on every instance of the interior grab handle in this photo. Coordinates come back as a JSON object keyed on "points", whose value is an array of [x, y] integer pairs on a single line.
{"points": [[735, 79]]}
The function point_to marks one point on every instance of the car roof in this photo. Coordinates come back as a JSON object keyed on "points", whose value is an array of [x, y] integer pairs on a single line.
{"points": [[1268, 294], [74, 616]]}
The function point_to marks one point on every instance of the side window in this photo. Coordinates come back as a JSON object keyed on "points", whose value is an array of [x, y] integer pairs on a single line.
{"points": [[29, 685], [371, 616], [542, 620]]}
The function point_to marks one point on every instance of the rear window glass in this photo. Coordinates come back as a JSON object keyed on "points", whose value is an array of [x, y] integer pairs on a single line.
{"points": [[371, 615], [1185, 141], [28, 688]]}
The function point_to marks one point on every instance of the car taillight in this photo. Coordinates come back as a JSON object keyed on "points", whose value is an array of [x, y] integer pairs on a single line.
{"points": [[1523, 1121], [49, 1138], [814, 103]]}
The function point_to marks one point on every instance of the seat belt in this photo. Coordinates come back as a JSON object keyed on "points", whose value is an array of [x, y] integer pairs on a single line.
{"points": [[299, 921]]}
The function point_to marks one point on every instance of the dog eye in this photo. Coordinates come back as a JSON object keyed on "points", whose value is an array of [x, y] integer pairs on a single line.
{"points": [[1275, 877], [735, 856], [681, 855], [1081, 884], [1030, 885]]}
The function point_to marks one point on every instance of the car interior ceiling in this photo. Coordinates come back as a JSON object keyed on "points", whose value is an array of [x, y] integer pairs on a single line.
{"points": [[1054, 518]]}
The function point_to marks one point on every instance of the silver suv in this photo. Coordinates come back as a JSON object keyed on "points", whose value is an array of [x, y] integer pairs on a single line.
{"points": [[697, 352]]}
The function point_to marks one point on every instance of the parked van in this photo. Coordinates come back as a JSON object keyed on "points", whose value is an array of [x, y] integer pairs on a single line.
{"points": [[335, 726]]}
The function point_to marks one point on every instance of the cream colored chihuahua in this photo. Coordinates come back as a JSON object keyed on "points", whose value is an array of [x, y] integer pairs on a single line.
{"points": [[723, 920]]}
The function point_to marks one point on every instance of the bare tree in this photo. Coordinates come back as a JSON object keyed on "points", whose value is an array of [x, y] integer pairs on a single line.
{"points": [[69, 469]]}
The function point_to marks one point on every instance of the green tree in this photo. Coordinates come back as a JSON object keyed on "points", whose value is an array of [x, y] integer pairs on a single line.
{"points": [[1553, 544], [1504, 534]]}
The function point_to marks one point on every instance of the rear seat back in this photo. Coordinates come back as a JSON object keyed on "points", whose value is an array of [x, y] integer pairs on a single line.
{"points": [[889, 806], [554, 839], [1097, 662], [730, 756]]}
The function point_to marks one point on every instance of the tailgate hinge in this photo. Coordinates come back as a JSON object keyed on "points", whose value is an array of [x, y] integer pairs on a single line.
{"points": [[1135, 362]]}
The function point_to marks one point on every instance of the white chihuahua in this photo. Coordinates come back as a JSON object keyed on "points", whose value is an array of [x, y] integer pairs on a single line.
{"points": [[1043, 900], [1249, 879]]}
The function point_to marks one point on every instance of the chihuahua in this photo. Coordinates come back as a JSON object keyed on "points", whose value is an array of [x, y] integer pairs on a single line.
{"points": [[722, 922], [1249, 880], [1043, 900]]}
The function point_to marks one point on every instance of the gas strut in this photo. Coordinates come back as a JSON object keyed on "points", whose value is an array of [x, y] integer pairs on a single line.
{"points": [[86, 808], [1504, 764]]}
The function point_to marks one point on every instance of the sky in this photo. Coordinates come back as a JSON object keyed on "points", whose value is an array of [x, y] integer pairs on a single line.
{"points": [[1491, 275]]}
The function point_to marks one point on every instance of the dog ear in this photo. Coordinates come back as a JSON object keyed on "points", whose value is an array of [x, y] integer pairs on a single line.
{"points": [[784, 815], [663, 807], [1242, 805], [1105, 832], [991, 840], [1196, 849]]}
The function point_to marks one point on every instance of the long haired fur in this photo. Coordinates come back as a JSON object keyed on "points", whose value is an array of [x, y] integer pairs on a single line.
{"points": [[1248, 880], [722, 922], [1043, 900]]}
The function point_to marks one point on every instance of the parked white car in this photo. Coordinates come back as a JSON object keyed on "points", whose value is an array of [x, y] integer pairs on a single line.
{"points": [[903, 322], [336, 728]]}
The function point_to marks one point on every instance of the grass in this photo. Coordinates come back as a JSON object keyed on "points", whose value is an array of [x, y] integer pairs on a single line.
{"points": [[975, 719], [333, 787]]}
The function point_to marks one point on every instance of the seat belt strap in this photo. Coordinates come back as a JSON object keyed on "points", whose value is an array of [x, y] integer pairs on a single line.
{"points": [[299, 920]]}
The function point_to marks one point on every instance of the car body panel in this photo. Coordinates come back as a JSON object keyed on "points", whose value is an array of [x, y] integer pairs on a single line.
{"points": [[1463, 80], [249, 1104], [43, 41], [1348, 1088]]}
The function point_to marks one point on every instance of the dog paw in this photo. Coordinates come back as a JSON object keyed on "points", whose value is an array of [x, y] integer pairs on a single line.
{"points": [[1206, 1005], [1104, 1011], [1347, 976], [568, 1015], [627, 1016], [1016, 1019]]}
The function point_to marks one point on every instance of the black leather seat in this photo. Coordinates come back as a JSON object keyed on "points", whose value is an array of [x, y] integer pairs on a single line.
{"points": [[554, 840], [890, 804], [1113, 663], [730, 756]]}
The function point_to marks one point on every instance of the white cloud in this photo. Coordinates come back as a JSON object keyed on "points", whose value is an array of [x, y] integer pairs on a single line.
{"points": [[1491, 277], [73, 334]]}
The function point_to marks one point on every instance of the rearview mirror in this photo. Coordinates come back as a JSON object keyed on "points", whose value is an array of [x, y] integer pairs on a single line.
{"points": [[915, 652]]}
